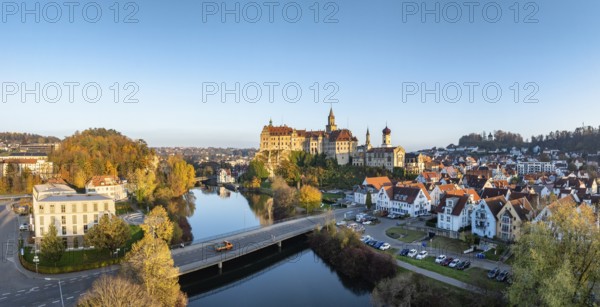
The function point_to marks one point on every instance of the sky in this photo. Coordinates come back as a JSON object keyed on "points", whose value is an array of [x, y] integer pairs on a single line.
{"points": [[168, 70]]}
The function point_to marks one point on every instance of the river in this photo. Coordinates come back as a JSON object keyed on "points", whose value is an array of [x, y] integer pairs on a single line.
{"points": [[294, 276]]}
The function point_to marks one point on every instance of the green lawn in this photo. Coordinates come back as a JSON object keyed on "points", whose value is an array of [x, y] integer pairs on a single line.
{"points": [[474, 276], [123, 207], [404, 235], [78, 260], [447, 244]]}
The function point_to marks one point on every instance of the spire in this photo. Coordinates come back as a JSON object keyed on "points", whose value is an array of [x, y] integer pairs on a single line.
{"points": [[270, 122], [331, 111]]}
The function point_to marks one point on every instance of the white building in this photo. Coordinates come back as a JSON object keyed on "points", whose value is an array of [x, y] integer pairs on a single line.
{"points": [[484, 216], [72, 214], [534, 167], [411, 201], [370, 185], [454, 212], [224, 176], [36, 164], [107, 185]]}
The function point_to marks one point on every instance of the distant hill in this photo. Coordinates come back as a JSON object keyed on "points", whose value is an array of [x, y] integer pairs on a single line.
{"points": [[26, 138], [584, 139]]}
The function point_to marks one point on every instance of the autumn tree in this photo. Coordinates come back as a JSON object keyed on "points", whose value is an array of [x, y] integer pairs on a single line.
{"points": [[309, 197], [158, 224], [116, 291], [556, 262], [143, 184], [181, 176], [52, 247], [150, 264], [109, 234], [284, 198]]}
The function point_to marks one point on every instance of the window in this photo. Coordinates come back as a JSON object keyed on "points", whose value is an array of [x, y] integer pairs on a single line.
{"points": [[53, 220], [85, 228], [74, 219], [51, 208], [96, 218], [105, 206], [85, 207], [85, 218], [64, 230], [63, 219], [95, 207], [74, 230], [42, 231], [41, 221], [63, 209], [74, 208], [41, 209]]}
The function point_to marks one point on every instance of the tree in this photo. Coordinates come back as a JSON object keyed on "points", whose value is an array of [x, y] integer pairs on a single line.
{"points": [[284, 198], [158, 224], [52, 247], [150, 264], [181, 176], [143, 185], [369, 201], [309, 197], [116, 291], [109, 234], [556, 262]]}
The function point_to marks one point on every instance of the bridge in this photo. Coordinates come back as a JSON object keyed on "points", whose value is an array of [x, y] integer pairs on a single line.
{"points": [[13, 197], [199, 179], [202, 255]]}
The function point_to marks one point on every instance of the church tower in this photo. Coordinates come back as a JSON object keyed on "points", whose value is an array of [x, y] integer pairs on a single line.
{"points": [[387, 137], [330, 122], [368, 140]]}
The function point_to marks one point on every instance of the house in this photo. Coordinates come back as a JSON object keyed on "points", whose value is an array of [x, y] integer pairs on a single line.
{"points": [[493, 192], [545, 214], [439, 191], [512, 217], [405, 200], [370, 185], [428, 177], [71, 213], [453, 212], [485, 216], [107, 185], [224, 176]]}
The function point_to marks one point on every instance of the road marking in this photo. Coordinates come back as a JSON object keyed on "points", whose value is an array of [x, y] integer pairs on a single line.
{"points": [[55, 301], [4, 294], [73, 279], [21, 291], [42, 305], [70, 297], [1, 298]]}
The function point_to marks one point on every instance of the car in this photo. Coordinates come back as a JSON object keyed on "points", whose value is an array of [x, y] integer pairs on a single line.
{"points": [[412, 253], [379, 244], [463, 265], [493, 273], [447, 261], [24, 226], [440, 258], [422, 255], [391, 216], [367, 223], [502, 276], [373, 242], [223, 246], [341, 223], [365, 239], [404, 252], [385, 246], [454, 263]]}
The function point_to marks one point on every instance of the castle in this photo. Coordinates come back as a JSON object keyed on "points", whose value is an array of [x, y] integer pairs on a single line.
{"points": [[333, 142]]}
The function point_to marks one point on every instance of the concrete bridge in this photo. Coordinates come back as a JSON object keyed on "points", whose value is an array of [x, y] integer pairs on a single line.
{"points": [[13, 197], [203, 255]]}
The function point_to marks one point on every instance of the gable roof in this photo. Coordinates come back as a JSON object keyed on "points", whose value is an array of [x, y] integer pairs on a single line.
{"points": [[523, 208], [405, 194], [495, 204], [493, 192], [378, 182], [461, 201]]}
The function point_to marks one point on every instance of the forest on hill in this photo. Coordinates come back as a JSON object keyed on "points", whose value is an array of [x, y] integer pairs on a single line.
{"points": [[26, 138]]}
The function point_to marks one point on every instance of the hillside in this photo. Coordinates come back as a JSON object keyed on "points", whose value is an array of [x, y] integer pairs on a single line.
{"points": [[26, 138]]}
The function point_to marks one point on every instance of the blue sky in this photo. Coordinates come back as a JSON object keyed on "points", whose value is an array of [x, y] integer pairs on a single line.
{"points": [[369, 53]]}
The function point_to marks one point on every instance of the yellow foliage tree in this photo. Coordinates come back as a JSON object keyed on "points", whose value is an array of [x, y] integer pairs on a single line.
{"points": [[309, 197]]}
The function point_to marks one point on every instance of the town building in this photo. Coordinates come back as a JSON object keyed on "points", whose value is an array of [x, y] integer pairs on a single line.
{"points": [[36, 163], [454, 212], [71, 213], [405, 200], [485, 216], [224, 176], [370, 185], [107, 185], [386, 156], [512, 217], [534, 167]]}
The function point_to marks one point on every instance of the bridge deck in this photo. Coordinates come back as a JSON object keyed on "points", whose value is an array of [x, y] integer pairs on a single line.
{"points": [[202, 255]]}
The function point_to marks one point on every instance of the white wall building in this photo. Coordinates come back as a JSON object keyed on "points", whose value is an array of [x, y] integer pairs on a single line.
{"points": [[107, 185]]}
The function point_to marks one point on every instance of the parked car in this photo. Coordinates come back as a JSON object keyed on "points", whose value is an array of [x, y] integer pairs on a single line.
{"points": [[440, 258], [422, 255], [341, 223], [502, 276], [365, 239], [412, 253], [463, 265], [373, 242], [404, 252], [493, 273], [447, 261], [379, 244], [385, 246], [392, 216], [454, 263], [24, 226], [367, 223], [223, 246]]}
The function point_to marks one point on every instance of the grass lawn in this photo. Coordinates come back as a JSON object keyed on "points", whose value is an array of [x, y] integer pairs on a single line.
{"points": [[123, 207], [79, 260], [404, 235], [447, 244], [490, 255], [474, 276]]}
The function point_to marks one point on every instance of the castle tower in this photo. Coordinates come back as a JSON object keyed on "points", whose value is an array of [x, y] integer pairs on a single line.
{"points": [[330, 122], [368, 140], [387, 137]]}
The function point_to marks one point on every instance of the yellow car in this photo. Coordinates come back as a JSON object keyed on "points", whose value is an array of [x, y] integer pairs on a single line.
{"points": [[223, 246]]}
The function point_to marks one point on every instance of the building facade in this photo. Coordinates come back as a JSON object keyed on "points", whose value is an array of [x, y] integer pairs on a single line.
{"points": [[385, 156], [534, 167], [37, 164], [107, 185], [71, 213], [336, 143]]}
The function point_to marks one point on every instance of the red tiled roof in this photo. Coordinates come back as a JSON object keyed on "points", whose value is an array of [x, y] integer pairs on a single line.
{"points": [[378, 182]]}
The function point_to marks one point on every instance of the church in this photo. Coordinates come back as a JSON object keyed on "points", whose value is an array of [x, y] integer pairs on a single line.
{"points": [[386, 156], [336, 143]]}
